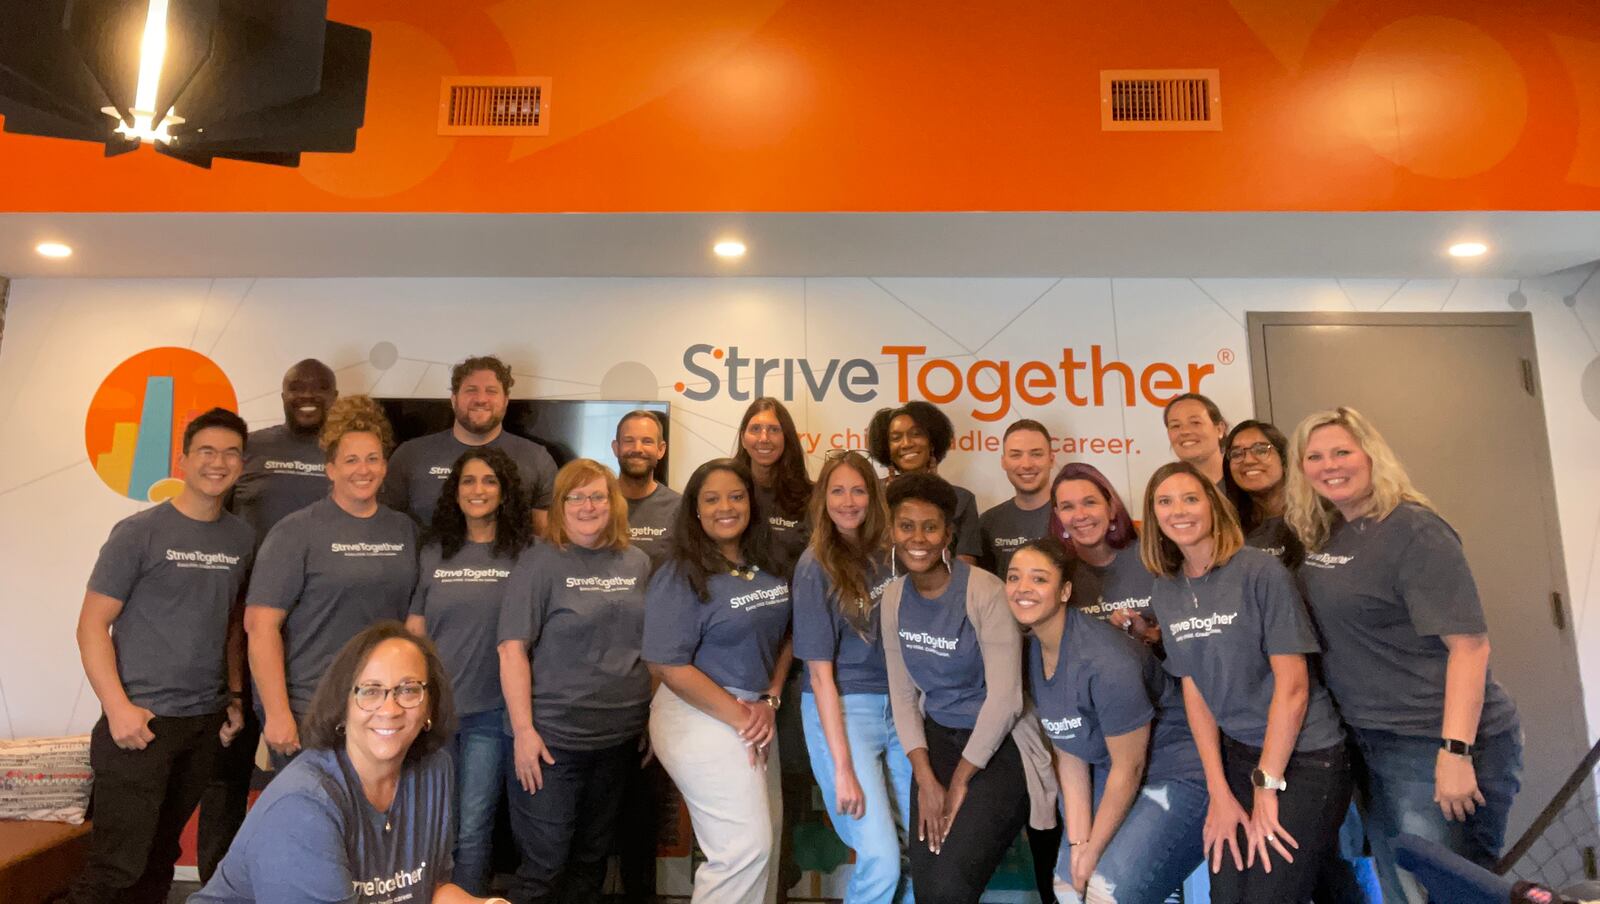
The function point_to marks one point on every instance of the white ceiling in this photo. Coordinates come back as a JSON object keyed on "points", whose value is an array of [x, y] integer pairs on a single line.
{"points": [[1523, 244]]}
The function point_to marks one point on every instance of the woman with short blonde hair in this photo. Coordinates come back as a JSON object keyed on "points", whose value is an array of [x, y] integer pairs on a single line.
{"points": [[1407, 647]]}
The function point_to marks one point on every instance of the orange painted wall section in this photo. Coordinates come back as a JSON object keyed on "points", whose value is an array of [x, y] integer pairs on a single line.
{"points": [[935, 105]]}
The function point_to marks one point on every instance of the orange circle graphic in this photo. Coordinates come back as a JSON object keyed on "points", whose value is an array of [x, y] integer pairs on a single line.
{"points": [[134, 429]]}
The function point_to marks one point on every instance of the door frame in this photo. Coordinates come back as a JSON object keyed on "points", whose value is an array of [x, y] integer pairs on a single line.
{"points": [[1256, 322]]}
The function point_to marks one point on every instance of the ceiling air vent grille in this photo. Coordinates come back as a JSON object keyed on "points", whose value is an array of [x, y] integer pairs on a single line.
{"points": [[1160, 100], [494, 106]]}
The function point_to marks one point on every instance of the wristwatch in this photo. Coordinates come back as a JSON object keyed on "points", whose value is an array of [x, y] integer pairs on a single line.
{"points": [[1267, 782], [772, 700], [1455, 747]]}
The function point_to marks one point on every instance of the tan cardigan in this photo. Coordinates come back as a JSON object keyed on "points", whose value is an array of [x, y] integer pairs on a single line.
{"points": [[1003, 711]]}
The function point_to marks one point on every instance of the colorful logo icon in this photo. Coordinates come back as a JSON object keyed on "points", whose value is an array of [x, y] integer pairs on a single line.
{"points": [[134, 429]]}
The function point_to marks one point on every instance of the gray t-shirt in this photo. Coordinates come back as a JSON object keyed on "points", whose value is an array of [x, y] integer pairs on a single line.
{"points": [[1221, 629], [334, 574], [1106, 684], [941, 651], [967, 537], [459, 598], [177, 579], [733, 637], [1383, 593], [1005, 528], [419, 467], [283, 472], [582, 614], [821, 633], [789, 532], [650, 522], [1122, 584], [313, 836]]}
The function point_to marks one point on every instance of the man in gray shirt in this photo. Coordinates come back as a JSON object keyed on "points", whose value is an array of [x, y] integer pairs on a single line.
{"points": [[640, 445], [479, 390], [1028, 458], [162, 647]]}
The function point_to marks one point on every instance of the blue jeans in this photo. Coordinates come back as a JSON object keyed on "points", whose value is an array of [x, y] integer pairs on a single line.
{"points": [[1157, 845], [1397, 785], [879, 761], [479, 752]]}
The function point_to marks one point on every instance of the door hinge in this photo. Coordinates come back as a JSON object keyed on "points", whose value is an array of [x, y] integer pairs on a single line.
{"points": [[1527, 377], [1557, 611]]}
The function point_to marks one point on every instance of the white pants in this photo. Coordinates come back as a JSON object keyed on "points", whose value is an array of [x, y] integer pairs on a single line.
{"points": [[736, 809]]}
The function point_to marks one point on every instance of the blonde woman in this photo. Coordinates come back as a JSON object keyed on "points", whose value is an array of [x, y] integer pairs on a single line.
{"points": [[1237, 635], [1407, 649]]}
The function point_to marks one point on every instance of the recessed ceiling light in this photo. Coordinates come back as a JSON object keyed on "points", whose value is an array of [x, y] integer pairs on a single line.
{"points": [[729, 248], [1468, 249], [53, 249]]}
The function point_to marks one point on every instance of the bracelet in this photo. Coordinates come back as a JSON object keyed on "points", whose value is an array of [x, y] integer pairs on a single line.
{"points": [[1076, 843]]}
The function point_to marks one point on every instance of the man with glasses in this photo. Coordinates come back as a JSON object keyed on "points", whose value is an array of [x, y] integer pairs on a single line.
{"points": [[479, 390], [163, 647], [640, 445]]}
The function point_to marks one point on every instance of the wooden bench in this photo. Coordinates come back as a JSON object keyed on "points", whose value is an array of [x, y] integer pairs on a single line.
{"points": [[39, 859]]}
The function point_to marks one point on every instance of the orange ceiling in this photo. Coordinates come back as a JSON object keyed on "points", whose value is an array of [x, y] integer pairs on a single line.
{"points": [[767, 105]]}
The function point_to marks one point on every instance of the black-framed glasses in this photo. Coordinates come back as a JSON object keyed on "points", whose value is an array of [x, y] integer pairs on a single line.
{"points": [[369, 697], [1258, 450]]}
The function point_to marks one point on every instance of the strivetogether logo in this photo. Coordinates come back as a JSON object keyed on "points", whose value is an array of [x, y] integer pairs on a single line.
{"points": [[644, 533], [439, 471], [757, 599], [1199, 626], [367, 549], [1074, 379], [924, 642], [1063, 727], [470, 575], [274, 466], [402, 879], [133, 431], [1326, 560], [214, 561], [604, 585]]}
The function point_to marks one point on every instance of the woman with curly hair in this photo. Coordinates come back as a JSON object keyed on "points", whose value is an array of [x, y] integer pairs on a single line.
{"points": [[914, 438], [480, 528], [326, 572], [769, 445]]}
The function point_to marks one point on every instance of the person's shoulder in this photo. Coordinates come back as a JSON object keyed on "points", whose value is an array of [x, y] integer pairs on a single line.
{"points": [[147, 520], [981, 582], [434, 766], [807, 563], [1409, 516], [239, 530], [516, 443], [996, 512], [313, 782], [266, 435], [395, 519], [633, 557]]}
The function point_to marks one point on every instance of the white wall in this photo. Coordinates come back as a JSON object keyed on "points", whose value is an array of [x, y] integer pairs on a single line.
{"points": [[627, 339]]}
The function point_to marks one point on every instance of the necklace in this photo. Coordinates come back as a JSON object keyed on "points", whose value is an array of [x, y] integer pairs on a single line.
{"points": [[748, 572], [386, 823]]}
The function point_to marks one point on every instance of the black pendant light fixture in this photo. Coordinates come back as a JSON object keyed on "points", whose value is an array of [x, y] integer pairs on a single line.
{"points": [[256, 80]]}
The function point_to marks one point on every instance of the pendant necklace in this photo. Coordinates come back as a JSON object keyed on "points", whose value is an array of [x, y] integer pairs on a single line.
{"points": [[748, 572]]}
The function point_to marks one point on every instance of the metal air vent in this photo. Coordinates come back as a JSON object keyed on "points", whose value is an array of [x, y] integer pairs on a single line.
{"points": [[1160, 100], [479, 105]]}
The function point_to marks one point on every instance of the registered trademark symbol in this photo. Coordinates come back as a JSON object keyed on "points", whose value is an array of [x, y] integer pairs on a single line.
{"points": [[1225, 356]]}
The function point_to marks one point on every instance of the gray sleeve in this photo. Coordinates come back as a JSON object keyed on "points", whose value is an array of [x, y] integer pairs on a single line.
{"points": [[396, 489], [516, 605], [1285, 625], [1436, 584], [419, 596], [969, 538], [542, 480], [1000, 643], [904, 697], [280, 572], [121, 560]]}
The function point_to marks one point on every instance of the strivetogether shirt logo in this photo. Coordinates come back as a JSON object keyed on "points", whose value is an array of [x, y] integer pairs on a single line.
{"points": [[367, 549], [923, 642], [604, 585], [470, 575], [760, 599], [1010, 542], [1200, 626], [193, 558], [1326, 560], [302, 468], [1105, 608], [782, 523], [379, 885], [439, 471], [1061, 728], [644, 533]]}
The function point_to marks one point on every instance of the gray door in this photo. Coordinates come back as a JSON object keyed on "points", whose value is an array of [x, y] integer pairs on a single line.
{"points": [[1457, 397]]}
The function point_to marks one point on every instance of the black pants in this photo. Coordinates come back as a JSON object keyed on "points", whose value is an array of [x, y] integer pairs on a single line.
{"points": [[1311, 810], [994, 813], [227, 797], [639, 832], [564, 832], [142, 799]]}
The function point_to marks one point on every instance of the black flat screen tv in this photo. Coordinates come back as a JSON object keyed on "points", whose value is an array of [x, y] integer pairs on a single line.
{"points": [[568, 428]]}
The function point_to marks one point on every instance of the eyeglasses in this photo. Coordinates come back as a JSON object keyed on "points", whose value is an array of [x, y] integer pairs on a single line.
{"points": [[580, 498], [1255, 450], [369, 697], [211, 453]]}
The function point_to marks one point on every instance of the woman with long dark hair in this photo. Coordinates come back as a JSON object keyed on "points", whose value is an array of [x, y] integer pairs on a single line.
{"points": [[715, 634], [1407, 648], [1238, 636], [1105, 703], [855, 755], [575, 684], [981, 773], [481, 526], [769, 445], [1254, 482], [915, 438]]}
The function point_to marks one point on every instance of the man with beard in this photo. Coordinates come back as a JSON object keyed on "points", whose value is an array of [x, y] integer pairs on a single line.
{"points": [[1027, 457], [479, 390], [639, 447], [284, 471]]}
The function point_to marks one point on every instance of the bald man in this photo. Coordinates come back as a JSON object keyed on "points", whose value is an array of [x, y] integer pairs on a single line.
{"points": [[284, 471]]}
